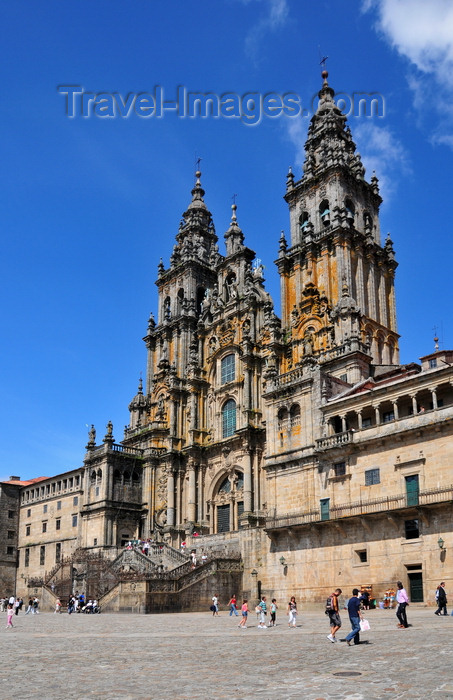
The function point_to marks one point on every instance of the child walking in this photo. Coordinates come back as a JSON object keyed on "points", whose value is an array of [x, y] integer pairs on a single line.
{"points": [[244, 612], [274, 608], [10, 613]]}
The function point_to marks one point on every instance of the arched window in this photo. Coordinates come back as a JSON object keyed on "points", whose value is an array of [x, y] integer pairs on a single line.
{"points": [[303, 221], [93, 477], [180, 300], [99, 474], [282, 419], [225, 486], [324, 212], [367, 221], [350, 211], [227, 367], [294, 415], [229, 418]]}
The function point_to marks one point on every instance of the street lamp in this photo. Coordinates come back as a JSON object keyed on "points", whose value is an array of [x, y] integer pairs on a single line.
{"points": [[440, 542], [282, 561], [254, 573]]}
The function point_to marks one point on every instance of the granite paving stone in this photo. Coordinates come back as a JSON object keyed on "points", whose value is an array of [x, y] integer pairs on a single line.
{"points": [[195, 656]]}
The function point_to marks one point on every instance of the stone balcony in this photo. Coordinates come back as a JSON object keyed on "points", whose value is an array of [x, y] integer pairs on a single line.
{"points": [[394, 503]]}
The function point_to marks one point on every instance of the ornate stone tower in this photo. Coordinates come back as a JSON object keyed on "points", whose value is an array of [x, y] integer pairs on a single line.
{"points": [[337, 280], [199, 421]]}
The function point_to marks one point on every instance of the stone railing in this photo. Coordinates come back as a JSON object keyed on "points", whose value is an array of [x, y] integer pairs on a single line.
{"points": [[335, 440], [377, 505]]}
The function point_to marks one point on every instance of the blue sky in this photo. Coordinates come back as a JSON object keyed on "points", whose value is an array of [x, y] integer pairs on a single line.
{"points": [[90, 205]]}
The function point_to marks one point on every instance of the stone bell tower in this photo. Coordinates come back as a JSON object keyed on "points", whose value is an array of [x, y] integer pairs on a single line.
{"points": [[337, 280]]}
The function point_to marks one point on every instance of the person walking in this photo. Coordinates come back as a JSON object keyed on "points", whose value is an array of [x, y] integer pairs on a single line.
{"points": [[10, 613], [292, 612], [355, 615], [403, 601], [274, 608], [263, 612], [441, 597], [232, 604], [30, 606], [333, 612], [215, 605], [244, 614]]}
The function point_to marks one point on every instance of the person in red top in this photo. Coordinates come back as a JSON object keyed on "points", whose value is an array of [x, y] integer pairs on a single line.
{"points": [[232, 604]]}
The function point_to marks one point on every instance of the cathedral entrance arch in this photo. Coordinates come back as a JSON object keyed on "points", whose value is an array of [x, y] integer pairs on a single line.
{"points": [[228, 501]]}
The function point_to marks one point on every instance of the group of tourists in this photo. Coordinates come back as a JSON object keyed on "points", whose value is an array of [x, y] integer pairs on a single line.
{"points": [[359, 601]]}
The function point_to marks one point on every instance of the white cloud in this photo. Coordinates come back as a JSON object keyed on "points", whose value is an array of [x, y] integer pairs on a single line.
{"points": [[422, 32], [382, 152], [274, 17], [296, 132]]}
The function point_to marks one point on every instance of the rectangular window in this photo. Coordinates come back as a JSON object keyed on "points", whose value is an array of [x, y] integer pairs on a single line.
{"points": [[75, 501], [11, 534], [433, 363], [57, 524], [27, 530], [71, 482], [74, 521], [57, 552], [44, 527], [58, 505], [44, 509], [325, 508], [366, 423], [42, 555], [28, 512], [97, 490], [372, 477], [10, 514], [95, 541], [388, 416], [53, 488], [27, 557], [411, 529], [362, 556], [340, 468], [65, 483], [228, 369], [77, 480], [10, 550]]}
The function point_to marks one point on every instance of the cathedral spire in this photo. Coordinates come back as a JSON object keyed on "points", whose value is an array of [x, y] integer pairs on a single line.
{"points": [[234, 238], [329, 142]]}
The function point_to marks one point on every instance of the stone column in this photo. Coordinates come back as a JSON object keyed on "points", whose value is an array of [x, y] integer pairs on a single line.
{"points": [[172, 418], [170, 498], [377, 413], [191, 511], [248, 503], [414, 404], [359, 420], [359, 284], [395, 409], [201, 471], [434, 397], [344, 425], [193, 411], [247, 387]]}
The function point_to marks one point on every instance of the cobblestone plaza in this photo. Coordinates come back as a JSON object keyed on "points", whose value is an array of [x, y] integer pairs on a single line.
{"points": [[196, 656]]}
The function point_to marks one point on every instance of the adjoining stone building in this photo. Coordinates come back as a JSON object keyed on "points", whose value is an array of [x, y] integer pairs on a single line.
{"points": [[299, 444]]}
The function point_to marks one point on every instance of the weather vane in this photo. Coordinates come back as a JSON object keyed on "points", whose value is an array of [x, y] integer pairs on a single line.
{"points": [[322, 59]]}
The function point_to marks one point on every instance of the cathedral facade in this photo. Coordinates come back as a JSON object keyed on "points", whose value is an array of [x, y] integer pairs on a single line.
{"points": [[300, 443]]}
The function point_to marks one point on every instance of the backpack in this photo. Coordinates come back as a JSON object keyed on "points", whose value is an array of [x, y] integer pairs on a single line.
{"points": [[329, 605]]}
